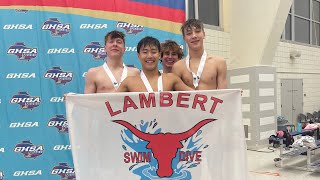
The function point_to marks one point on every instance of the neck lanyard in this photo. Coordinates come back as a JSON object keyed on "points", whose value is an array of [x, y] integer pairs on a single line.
{"points": [[147, 84], [196, 77], [115, 83]]}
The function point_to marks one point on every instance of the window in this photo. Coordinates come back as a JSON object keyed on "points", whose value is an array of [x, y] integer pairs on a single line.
{"points": [[303, 22], [302, 30], [288, 28], [191, 10], [302, 8], [316, 12], [316, 22], [205, 10], [315, 34]]}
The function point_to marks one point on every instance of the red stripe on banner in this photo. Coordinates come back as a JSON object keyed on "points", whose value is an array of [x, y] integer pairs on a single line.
{"points": [[122, 6]]}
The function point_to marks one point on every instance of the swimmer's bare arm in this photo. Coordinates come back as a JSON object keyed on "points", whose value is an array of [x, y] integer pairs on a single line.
{"points": [[176, 69], [124, 85], [178, 85], [133, 71], [90, 85], [222, 74]]}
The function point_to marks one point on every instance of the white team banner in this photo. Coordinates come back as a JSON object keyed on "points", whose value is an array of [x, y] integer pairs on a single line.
{"points": [[195, 135]]}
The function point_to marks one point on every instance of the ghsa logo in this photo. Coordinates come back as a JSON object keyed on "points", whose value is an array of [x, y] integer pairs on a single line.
{"points": [[173, 154], [29, 150], [130, 28], [59, 122], [58, 75], [60, 51], [64, 171], [84, 74], [22, 51], [93, 26], [21, 75], [96, 50], [131, 49], [17, 26], [25, 100], [56, 27], [22, 10], [1, 175]]}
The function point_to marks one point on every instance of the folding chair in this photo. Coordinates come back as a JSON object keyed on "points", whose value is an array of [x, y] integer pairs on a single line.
{"points": [[290, 127], [310, 118], [316, 116]]}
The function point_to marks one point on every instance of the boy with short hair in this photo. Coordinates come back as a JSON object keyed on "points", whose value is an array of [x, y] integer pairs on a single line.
{"points": [[150, 79]]}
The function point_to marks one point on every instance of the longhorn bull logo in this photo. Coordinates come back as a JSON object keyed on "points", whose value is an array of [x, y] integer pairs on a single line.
{"points": [[164, 146]]}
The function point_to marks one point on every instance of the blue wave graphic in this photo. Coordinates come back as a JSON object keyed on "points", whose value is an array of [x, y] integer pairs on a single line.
{"points": [[148, 170]]}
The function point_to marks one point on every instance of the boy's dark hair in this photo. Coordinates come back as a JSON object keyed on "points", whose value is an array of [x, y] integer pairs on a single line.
{"points": [[148, 41], [191, 23], [170, 45], [114, 34]]}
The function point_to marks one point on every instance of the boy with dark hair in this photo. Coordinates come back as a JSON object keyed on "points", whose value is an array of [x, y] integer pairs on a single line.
{"points": [[199, 70], [150, 79], [107, 78], [170, 54]]}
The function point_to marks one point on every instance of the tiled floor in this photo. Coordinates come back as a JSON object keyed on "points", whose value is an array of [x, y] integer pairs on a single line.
{"points": [[262, 167]]}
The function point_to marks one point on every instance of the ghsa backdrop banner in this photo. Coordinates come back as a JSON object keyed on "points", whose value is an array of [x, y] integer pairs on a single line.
{"points": [[46, 49], [194, 135]]}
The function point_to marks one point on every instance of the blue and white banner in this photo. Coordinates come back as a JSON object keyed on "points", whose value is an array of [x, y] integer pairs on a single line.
{"points": [[169, 135], [46, 49]]}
